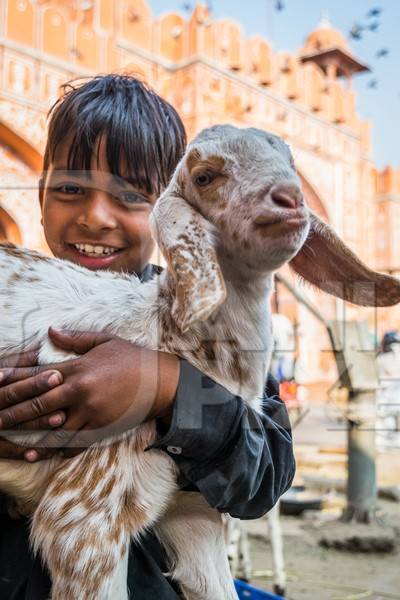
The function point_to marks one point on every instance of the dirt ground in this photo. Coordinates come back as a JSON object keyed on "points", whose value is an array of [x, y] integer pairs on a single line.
{"points": [[315, 573]]}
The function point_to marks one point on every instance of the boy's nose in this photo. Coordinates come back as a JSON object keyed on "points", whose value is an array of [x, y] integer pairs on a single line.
{"points": [[98, 213]]}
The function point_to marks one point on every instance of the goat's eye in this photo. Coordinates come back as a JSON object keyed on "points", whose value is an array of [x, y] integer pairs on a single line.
{"points": [[204, 179]]}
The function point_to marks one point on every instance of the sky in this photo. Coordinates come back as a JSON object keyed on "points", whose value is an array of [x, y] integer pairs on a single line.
{"points": [[288, 28]]}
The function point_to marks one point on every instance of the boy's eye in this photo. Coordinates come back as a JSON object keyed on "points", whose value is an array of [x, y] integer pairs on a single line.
{"points": [[133, 198], [71, 189]]}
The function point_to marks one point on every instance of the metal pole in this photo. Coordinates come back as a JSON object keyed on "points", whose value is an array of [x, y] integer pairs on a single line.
{"points": [[361, 450], [361, 481]]}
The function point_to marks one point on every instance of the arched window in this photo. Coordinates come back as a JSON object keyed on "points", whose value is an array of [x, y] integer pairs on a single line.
{"points": [[3, 236], [20, 166], [9, 231]]}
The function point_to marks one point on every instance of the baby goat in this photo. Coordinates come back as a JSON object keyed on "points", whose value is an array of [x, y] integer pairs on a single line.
{"points": [[232, 214]]}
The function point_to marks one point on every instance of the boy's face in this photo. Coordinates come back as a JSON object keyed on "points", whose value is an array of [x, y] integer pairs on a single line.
{"points": [[95, 219]]}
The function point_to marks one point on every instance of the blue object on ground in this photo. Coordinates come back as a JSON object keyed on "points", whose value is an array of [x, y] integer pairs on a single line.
{"points": [[249, 592]]}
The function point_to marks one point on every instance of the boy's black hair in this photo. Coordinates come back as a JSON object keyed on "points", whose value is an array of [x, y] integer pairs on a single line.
{"points": [[140, 129]]}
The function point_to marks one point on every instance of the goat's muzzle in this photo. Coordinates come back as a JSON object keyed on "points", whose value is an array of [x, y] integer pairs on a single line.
{"points": [[286, 195]]}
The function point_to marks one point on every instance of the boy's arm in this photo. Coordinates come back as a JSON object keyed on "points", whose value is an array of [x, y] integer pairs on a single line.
{"points": [[239, 460]]}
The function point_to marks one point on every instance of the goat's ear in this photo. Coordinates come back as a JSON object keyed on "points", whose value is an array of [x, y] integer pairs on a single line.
{"points": [[185, 241], [326, 262]]}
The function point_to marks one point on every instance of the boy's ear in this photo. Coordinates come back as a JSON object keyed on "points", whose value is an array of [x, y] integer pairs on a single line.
{"points": [[326, 262], [184, 239], [41, 192]]}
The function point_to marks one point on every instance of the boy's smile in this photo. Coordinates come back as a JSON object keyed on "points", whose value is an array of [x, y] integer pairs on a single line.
{"points": [[94, 218], [95, 257]]}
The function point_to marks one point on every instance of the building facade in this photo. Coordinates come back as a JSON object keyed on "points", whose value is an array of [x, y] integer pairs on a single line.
{"points": [[211, 73]]}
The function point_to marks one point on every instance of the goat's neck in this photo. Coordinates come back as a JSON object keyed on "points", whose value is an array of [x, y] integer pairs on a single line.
{"points": [[240, 332], [242, 279]]}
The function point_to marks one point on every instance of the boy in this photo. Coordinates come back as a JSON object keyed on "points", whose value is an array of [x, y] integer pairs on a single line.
{"points": [[112, 147]]}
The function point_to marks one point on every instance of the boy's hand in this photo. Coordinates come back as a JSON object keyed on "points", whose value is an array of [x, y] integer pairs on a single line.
{"points": [[112, 387]]}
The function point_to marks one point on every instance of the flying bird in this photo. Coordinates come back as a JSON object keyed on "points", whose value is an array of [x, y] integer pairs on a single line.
{"points": [[187, 6], [382, 53], [356, 31], [279, 5], [374, 12], [372, 84], [374, 26]]}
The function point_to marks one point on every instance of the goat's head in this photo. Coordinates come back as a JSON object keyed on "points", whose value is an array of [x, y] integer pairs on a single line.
{"points": [[244, 183], [237, 191]]}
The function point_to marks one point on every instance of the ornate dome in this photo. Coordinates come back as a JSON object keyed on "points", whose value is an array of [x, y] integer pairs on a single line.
{"points": [[324, 37]]}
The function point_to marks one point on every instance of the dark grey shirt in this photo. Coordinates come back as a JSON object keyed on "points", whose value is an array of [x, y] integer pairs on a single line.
{"points": [[239, 460]]}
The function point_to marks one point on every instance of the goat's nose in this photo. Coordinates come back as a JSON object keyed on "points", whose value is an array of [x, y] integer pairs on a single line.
{"points": [[286, 195]]}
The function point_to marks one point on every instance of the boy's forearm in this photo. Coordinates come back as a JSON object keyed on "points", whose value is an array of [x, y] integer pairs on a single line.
{"points": [[168, 380]]}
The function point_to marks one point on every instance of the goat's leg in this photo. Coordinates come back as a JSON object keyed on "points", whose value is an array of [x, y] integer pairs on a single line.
{"points": [[232, 540], [91, 508], [245, 567], [275, 531], [192, 534], [238, 548], [80, 529]]}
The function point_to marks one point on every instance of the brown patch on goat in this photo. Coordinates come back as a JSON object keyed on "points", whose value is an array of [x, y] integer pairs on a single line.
{"points": [[193, 159], [133, 516], [96, 476], [14, 278], [91, 539], [96, 570], [107, 488], [168, 330], [215, 162], [78, 478], [66, 507], [208, 346], [237, 368], [62, 483], [183, 267], [180, 180], [209, 192], [112, 451], [90, 503], [24, 255], [221, 222]]}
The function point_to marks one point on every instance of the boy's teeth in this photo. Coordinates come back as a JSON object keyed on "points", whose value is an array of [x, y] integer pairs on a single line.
{"points": [[95, 250]]}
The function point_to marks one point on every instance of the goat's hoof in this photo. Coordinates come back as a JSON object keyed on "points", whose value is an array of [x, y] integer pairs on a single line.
{"points": [[278, 590]]}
